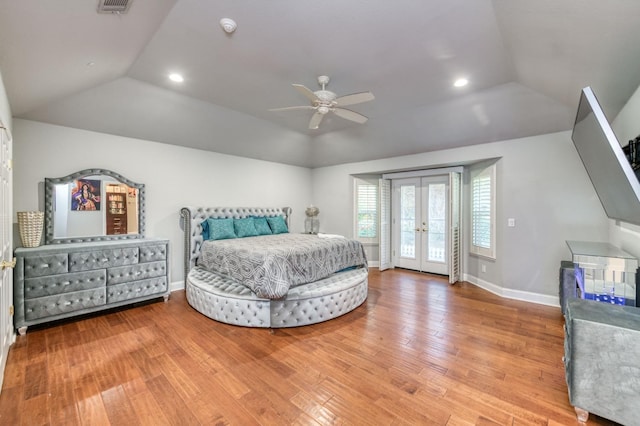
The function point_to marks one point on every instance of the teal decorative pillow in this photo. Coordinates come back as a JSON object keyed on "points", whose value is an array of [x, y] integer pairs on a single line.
{"points": [[205, 230], [277, 225], [262, 226], [221, 229], [245, 227]]}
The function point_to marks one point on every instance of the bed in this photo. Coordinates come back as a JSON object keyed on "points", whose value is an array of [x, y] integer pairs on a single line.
{"points": [[257, 278]]}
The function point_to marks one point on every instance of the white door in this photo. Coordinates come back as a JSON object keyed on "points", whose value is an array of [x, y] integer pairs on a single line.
{"points": [[384, 189], [421, 223], [455, 214], [6, 262]]}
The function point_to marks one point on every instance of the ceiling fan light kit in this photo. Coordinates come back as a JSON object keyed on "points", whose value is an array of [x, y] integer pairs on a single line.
{"points": [[324, 101]]}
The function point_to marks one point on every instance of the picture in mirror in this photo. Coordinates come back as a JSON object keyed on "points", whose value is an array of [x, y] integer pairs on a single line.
{"points": [[86, 215]]}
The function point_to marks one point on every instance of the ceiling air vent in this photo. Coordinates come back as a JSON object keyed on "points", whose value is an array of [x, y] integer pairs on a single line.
{"points": [[113, 6]]}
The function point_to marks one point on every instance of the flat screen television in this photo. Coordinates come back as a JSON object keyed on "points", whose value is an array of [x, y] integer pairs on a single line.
{"points": [[609, 170]]}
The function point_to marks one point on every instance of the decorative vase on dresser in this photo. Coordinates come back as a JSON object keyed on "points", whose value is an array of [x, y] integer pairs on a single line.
{"points": [[30, 226]]}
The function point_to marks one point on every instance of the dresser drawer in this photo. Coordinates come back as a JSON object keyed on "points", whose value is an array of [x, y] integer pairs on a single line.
{"points": [[63, 303], [133, 290], [46, 264], [64, 283], [137, 272], [153, 253], [88, 260]]}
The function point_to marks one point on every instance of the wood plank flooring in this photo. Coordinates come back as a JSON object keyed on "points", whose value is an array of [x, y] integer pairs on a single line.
{"points": [[418, 351]]}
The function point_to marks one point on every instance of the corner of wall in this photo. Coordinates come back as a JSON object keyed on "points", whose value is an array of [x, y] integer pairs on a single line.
{"points": [[525, 296]]}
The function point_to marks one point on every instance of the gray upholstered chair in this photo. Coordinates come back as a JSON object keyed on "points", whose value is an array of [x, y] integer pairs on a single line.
{"points": [[602, 360]]}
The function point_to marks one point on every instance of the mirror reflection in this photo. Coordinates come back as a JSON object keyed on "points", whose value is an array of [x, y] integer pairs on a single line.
{"points": [[92, 205], [95, 205]]}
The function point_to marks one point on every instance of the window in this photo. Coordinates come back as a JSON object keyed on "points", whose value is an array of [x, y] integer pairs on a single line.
{"points": [[366, 211], [483, 211]]}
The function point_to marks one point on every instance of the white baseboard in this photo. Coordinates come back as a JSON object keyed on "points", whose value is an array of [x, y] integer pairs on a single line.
{"points": [[373, 263], [176, 285], [526, 296]]}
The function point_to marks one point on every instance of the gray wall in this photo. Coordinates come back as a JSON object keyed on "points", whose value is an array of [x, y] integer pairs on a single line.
{"points": [[541, 184], [174, 176]]}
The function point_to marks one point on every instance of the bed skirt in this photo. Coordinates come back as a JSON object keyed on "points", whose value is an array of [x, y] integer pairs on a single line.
{"points": [[225, 300]]}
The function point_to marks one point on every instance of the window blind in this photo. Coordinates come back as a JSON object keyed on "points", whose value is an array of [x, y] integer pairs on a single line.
{"points": [[483, 212], [367, 211]]}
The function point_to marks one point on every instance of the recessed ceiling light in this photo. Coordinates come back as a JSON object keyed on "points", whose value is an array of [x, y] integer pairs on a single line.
{"points": [[461, 82], [176, 77]]}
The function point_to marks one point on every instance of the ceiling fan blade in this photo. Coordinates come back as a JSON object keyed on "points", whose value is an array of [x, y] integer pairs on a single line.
{"points": [[314, 123], [306, 92], [355, 98], [350, 115], [292, 108]]}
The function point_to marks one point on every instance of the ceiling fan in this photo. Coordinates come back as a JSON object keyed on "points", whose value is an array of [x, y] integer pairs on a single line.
{"points": [[324, 101]]}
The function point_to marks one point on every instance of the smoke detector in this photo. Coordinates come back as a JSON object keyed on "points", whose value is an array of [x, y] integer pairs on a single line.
{"points": [[228, 25], [114, 6]]}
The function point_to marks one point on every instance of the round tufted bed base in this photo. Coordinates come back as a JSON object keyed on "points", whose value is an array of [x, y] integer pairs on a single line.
{"points": [[225, 300]]}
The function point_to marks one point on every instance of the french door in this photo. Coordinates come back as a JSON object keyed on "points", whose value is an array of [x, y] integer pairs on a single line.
{"points": [[421, 223], [7, 262]]}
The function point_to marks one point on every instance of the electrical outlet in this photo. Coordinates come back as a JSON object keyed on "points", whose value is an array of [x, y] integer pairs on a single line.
{"points": [[483, 268], [511, 222]]}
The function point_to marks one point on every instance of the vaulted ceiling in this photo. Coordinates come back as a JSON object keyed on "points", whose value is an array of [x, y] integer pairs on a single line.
{"points": [[526, 61]]}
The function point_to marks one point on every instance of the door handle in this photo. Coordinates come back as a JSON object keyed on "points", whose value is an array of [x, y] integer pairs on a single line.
{"points": [[4, 264]]}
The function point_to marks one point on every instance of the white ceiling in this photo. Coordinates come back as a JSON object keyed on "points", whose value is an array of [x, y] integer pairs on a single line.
{"points": [[526, 61]]}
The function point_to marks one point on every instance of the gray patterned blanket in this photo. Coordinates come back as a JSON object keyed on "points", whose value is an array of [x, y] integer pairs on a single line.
{"points": [[271, 264]]}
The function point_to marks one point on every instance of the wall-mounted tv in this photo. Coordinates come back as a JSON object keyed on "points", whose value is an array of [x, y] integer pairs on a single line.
{"points": [[609, 170]]}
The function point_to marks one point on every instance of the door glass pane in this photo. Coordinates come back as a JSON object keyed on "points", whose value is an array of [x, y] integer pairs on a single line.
{"points": [[408, 221], [437, 223]]}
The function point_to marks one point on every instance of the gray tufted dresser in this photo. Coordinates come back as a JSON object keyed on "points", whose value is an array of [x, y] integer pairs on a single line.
{"points": [[58, 281]]}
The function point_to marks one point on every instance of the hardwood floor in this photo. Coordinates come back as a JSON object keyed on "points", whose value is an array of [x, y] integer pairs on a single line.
{"points": [[418, 351]]}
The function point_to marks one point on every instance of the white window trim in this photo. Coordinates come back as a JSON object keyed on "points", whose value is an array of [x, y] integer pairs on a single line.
{"points": [[473, 249]]}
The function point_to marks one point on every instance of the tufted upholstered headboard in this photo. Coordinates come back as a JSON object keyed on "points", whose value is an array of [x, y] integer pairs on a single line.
{"points": [[192, 217]]}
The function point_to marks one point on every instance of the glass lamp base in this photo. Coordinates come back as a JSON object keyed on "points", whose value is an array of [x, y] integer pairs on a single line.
{"points": [[311, 225]]}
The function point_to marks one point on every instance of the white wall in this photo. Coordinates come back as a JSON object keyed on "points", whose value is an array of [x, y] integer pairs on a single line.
{"points": [[626, 125], [5, 110], [174, 176], [541, 184]]}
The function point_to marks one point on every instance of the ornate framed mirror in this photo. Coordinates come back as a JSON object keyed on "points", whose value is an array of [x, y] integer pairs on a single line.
{"points": [[93, 205]]}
